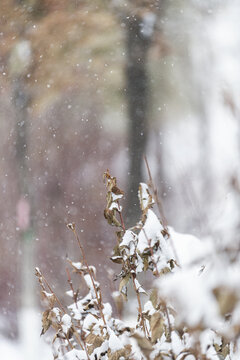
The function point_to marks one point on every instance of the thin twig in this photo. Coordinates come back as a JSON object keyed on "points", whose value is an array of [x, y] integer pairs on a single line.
{"points": [[151, 250], [168, 319], [71, 286], [135, 288], [155, 194], [57, 299], [72, 227], [160, 209], [80, 326], [140, 307], [121, 219]]}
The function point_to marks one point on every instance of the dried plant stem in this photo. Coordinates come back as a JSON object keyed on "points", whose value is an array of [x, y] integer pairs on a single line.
{"points": [[160, 208], [157, 274], [122, 223], [151, 250], [71, 287], [168, 319], [79, 341], [135, 288], [57, 299], [41, 278], [90, 273], [69, 343], [75, 301], [85, 348], [121, 218], [139, 307], [62, 308], [155, 195]]}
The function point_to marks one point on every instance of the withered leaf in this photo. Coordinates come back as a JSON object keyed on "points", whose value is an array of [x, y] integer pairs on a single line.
{"points": [[145, 198], [117, 259], [145, 262], [48, 299], [95, 341], [227, 299], [156, 326], [118, 300], [46, 322], [117, 191], [122, 353], [154, 298], [164, 271], [144, 344], [124, 282], [111, 218]]}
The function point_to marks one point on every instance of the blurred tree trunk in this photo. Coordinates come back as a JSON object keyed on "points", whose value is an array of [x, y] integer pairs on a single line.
{"points": [[21, 101], [137, 90], [37, 8], [19, 63]]}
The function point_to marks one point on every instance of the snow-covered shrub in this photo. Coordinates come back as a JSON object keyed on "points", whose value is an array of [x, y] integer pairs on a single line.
{"points": [[191, 313]]}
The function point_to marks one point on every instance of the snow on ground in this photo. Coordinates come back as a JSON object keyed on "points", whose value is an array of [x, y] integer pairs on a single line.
{"points": [[30, 345]]}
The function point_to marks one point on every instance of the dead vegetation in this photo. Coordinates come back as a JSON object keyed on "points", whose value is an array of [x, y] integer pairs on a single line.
{"points": [[87, 328]]}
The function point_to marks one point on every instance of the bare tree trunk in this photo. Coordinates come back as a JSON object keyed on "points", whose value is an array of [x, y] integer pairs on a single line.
{"points": [[19, 65], [27, 318], [137, 88], [21, 100]]}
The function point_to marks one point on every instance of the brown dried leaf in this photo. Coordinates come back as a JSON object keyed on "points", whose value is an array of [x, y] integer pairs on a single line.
{"points": [[165, 270], [124, 282], [111, 218], [154, 298], [145, 262], [122, 353], [71, 226], [46, 322], [95, 341], [156, 326], [111, 181], [48, 299], [112, 207], [227, 299], [117, 191], [117, 259], [144, 344], [118, 300], [146, 201], [222, 350]]}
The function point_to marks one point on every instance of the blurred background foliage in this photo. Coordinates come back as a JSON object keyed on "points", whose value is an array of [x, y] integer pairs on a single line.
{"points": [[66, 90]]}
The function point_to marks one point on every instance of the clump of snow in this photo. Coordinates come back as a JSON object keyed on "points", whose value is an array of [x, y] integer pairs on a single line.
{"points": [[189, 248], [150, 233], [66, 323], [89, 321], [128, 237], [75, 355], [144, 196], [190, 294], [114, 342]]}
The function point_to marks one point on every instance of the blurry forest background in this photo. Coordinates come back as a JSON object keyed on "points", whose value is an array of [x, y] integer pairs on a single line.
{"points": [[91, 85]]}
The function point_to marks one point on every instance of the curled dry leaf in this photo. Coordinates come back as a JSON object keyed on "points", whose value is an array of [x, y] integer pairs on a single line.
{"points": [[144, 344], [71, 226], [145, 198], [46, 322], [227, 299], [114, 194], [120, 354], [156, 326]]}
